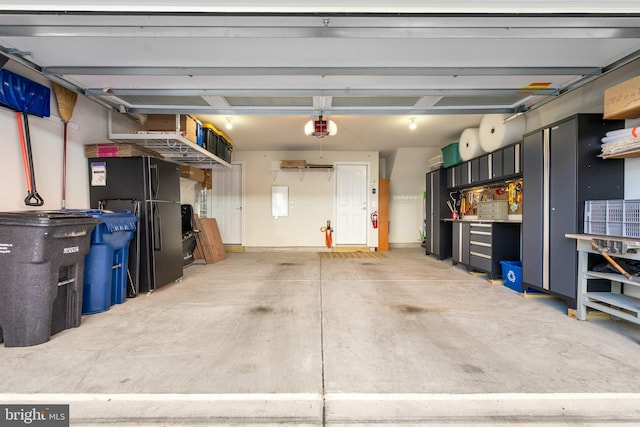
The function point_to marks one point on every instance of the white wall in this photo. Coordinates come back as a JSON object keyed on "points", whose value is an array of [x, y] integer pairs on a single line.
{"points": [[406, 187], [311, 197], [88, 125]]}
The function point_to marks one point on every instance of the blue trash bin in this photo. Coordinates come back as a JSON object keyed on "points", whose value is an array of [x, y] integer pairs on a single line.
{"points": [[106, 264]]}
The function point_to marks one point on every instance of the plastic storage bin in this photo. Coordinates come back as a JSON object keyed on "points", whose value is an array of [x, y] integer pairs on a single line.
{"points": [[612, 217], [199, 135], [209, 138], [512, 274], [106, 264], [41, 274], [224, 150], [451, 155]]}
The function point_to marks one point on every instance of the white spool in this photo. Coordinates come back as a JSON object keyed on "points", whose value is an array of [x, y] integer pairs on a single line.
{"points": [[469, 145], [495, 133]]}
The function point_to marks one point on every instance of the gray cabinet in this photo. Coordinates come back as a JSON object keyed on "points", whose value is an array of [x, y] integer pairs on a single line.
{"points": [[480, 167], [561, 171], [482, 245], [460, 243], [503, 163], [459, 175], [462, 174], [511, 160], [438, 232]]}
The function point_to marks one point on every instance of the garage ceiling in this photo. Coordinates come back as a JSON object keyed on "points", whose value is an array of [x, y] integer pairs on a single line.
{"points": [[268, 69]]}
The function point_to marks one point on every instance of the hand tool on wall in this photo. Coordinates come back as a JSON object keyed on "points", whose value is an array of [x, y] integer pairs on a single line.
{"points": [[25, 97], [33, 198], [66, 103], [606, 256]]}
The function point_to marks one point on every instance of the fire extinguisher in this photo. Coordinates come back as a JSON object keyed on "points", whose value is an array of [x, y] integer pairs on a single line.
{"points": [[374, 219]]}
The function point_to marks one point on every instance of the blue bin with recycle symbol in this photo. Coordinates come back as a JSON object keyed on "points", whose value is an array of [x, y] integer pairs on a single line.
{"points": [[512, 274]]}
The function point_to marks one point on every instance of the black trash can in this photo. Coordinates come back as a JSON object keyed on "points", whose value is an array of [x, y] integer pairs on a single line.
{"points": [[41, 274]]}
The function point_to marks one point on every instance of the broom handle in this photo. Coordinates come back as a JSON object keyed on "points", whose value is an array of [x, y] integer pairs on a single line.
{"points": [[64, 167], [25, 160]]}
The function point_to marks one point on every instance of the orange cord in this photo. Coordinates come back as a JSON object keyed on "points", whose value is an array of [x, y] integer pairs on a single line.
{"points": [[24, 153]]}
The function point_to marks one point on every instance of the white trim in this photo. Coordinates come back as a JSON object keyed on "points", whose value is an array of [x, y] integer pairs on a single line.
{"points": [[328, 6]]}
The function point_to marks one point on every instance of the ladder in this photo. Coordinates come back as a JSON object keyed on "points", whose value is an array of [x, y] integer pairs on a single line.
{"points": [[202, 203]]}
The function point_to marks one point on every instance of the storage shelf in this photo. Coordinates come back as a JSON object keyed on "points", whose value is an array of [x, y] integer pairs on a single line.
{"points": [[612, 276], [301, 170], [623, 302], [632, 153], [172, 146], [307, 167]]}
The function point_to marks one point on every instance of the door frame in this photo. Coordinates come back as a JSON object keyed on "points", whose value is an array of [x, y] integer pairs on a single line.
{"points": [[242, 198], [241, 163], [367, 190]]}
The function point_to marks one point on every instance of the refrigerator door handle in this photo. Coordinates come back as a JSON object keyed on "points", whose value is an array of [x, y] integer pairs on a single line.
{"points": [[155, 180], [157, 227]]}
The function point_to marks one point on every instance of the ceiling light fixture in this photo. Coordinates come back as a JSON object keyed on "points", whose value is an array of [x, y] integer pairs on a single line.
{"points": [[228, 125], [413, 125], [319, 127]]}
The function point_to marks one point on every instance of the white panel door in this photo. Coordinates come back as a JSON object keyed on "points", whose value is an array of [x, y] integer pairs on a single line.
{"points": [[226, 203], [351, 204]]}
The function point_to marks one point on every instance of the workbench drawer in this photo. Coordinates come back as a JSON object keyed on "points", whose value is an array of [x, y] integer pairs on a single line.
{"points": [[481, 248], [484, 239], [478, 260]]}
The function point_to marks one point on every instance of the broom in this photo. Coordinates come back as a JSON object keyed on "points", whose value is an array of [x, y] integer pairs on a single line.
{"points": [[66, 103]]}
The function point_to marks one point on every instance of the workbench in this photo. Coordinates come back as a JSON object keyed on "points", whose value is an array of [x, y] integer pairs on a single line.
{"points": [[623, 300]]}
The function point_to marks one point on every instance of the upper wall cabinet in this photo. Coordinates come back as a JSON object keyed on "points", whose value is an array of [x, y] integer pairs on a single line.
{"points": [[480, 168], [506, 162], [503, 163]]}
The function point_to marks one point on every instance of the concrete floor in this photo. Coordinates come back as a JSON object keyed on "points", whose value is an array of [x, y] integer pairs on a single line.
{"points": [[288, 338]]}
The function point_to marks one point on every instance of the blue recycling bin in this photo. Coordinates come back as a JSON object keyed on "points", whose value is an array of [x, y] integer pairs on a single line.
{"points": [[106, 264]]}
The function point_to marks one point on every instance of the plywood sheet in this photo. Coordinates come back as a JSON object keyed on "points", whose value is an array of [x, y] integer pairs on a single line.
{"points": [[210, 239]]}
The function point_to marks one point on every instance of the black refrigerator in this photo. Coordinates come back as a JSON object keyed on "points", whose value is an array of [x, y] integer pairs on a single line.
{"points": [[150, 188]]}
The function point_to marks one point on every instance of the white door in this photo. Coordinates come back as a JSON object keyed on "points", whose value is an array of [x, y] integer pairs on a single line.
{"points": [[226, 203], [351, 204]]}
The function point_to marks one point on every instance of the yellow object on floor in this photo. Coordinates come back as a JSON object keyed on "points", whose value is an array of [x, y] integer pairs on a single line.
{"points": [[351, 249], [343, 255]]}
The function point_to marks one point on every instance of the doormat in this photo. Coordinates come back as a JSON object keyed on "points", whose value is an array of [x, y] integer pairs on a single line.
{"points": [[350, 255]]}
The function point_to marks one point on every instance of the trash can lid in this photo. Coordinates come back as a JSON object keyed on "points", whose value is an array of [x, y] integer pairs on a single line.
{"points": [[45, 218], [121, 223], [112, 221]]}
